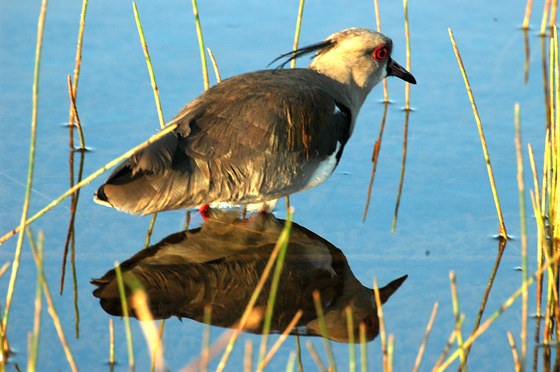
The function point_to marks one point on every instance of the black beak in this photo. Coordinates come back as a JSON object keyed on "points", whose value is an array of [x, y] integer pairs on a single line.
{"points": [[394, 69]]}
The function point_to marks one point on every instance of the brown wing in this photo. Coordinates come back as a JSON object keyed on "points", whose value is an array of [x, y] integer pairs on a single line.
{"points": [[251, 138]]}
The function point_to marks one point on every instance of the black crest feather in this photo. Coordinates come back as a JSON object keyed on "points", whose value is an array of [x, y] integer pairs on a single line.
{"points": [[319, 48]]}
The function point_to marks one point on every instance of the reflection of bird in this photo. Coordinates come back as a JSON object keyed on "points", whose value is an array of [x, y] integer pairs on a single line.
{"points": [[258, 136], [220, 263]]}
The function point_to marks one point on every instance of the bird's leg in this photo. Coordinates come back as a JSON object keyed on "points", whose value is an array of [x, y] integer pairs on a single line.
{"points": [[204, 210]]}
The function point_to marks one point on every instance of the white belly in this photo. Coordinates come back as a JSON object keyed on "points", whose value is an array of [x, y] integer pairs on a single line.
{"points": [[324, 170]]}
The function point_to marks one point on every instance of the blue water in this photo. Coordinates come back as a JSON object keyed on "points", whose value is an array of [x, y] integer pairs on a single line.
{"points": [[446, 217]]}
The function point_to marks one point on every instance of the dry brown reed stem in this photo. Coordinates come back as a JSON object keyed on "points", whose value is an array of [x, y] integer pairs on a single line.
{"points": [[168, 129], [502, 232], [205, 354], [378, 23], [213, 351], [425, 339], [381, 319], [501, 248], [553, 11], [527, 54], [527, 16], [214, 65], [546, 90], [523, 225], [284, 236], [484, 326], [77, 67], [407, 40], [274, 349], [375, 158], [248, 360], [315, 356], [363, 347], [74, 203], [4, 268], [139, 302], [403, 168], [544, 19], [111, 342], [50, 303], [29, 183], [514, 352]]}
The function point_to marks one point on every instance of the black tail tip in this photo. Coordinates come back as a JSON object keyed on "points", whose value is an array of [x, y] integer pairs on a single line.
{"points": [[101, 198]]}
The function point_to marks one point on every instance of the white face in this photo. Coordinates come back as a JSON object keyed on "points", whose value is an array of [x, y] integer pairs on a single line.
{"points": [[358, 59]]}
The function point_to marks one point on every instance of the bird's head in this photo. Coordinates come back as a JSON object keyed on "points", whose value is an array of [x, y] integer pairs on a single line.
{"points": [[356, 57]]}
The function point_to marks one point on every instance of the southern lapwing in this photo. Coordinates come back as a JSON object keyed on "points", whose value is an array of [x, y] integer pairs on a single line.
{"points": [[220, 263], [258, 136]]}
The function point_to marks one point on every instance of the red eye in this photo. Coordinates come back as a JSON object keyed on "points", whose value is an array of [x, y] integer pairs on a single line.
{"points": [[381, 53]]}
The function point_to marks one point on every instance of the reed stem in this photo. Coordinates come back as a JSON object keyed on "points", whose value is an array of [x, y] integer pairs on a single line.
{"points": [[502, 232]]}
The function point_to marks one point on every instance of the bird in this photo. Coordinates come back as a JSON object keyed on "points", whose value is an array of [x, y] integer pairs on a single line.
{"points": [[219, 264], [258, 136]]}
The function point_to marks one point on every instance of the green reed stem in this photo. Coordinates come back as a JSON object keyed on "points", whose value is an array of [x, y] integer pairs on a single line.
{"points": [[34, 344], [149, 64], [283, 240], [30, 171], [150, 230], [254, 296], [502, 232], [523, 225], [298, 30], [50, 303], [456, 312], [484, 326], [323, 328], [201, 45], [125, 314], [168, 129]]}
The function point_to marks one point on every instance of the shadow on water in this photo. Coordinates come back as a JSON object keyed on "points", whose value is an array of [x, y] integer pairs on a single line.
{"points": [[220, 263]]}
